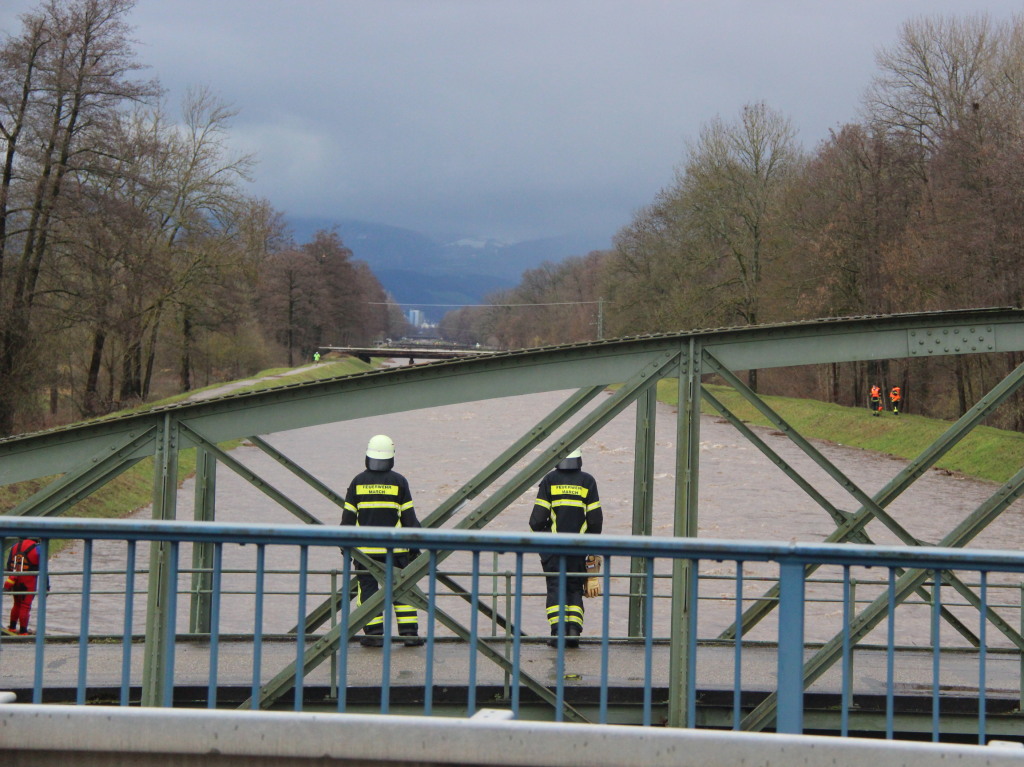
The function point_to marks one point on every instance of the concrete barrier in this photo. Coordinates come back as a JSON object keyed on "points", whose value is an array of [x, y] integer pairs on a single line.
{"points": [[43, 735]]}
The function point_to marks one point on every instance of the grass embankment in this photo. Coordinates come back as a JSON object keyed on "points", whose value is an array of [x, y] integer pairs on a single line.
{"points": [[133, 489], [985, 453]]}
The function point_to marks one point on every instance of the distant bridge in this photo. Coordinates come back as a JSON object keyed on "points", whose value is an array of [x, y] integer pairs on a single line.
{"points": [[412, 352]]}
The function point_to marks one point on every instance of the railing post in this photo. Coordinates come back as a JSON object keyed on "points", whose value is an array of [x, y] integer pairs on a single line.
{"points": [[790, 717], [506, 687], [334, 623], [851, 607]]}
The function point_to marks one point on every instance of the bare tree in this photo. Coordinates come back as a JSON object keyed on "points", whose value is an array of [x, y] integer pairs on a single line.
{"points": [[652, 279], [64, 77], [731, 186], [939, 72], [288, 300]]}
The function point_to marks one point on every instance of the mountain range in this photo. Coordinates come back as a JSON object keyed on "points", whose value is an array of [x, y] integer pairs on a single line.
{"points": [[419, 270]]}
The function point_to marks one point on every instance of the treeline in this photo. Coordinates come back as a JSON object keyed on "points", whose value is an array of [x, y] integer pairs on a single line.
{"points": [[918, 206], [132, 262]]}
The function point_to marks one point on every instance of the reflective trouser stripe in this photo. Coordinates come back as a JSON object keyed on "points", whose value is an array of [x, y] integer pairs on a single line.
{"points": [[405, 614], [574, 614]]}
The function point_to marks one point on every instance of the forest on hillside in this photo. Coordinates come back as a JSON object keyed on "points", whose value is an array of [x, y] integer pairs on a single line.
{"points": [[917, 206], [132, 262]]}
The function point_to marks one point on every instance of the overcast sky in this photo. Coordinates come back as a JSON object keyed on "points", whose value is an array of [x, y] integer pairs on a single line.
{"points": [[511, 119]]}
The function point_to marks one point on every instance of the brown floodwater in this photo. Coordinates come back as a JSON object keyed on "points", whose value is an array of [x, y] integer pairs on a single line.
{"points": [[742, 496]]}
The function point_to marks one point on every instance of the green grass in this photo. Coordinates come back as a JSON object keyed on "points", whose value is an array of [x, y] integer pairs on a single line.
{"points": [[985, 453], [277, 377]]}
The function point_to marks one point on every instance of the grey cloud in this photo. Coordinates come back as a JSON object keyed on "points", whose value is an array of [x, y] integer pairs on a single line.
{"points": [[505, 117]]}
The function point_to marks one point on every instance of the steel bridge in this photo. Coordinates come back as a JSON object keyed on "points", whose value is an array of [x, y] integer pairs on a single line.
{"points": [[83, 458]]}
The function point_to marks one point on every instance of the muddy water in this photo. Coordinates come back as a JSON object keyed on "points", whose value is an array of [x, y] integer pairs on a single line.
{"points": [[742, 496]]}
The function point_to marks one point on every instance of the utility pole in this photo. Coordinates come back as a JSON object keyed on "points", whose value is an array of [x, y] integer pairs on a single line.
{"points": [[600, 319]]}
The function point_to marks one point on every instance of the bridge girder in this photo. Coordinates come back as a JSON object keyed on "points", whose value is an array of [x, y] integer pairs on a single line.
{"points": [[72, 452]]}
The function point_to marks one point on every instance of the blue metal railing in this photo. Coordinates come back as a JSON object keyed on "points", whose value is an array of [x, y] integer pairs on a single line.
{"points": [[790, 559]]}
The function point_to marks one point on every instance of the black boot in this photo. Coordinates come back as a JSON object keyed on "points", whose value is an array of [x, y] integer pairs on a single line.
{"points": [[553, 642], [371, 640], [572, 635]]}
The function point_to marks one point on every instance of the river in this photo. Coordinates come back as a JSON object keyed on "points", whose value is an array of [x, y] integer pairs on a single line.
{"points": [[742, 496]]}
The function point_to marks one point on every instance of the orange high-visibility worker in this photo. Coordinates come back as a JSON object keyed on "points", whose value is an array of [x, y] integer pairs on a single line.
{"points": [[895, 397], [875, 400]]}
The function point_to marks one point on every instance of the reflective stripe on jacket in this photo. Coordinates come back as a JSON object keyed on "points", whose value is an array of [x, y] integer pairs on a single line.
{"points": [[567, 502]]}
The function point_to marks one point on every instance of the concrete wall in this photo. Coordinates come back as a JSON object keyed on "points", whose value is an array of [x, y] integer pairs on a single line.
{"points": [[41, 736]]}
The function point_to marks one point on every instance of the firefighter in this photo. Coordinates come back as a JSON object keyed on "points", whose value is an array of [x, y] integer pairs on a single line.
{"points": [[876, 400], [380, 497], [22, 577], [895, 399], [567, 502]]}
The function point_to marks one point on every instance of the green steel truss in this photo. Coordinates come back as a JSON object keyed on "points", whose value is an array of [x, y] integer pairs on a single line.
{"points": [[81, 459]]}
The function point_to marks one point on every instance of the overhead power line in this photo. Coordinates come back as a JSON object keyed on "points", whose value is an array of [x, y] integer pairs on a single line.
{"points": [[470, 306], [599, 302]]}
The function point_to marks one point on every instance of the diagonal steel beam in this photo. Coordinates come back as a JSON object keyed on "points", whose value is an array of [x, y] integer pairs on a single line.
{"points": [[64, 492], [874, 613], [510, 457], [298, 471], [249, 475], [642, 380], [647, 377], [767, 602], [871, 508], [838, 515], [801, 442], [930, 455]]}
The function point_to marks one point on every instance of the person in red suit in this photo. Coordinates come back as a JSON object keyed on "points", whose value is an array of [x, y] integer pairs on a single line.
{"points": [[22, 575]]}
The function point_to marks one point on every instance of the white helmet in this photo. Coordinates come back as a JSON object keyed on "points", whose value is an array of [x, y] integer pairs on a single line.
{"points": [[380, 453], [380, 447], [573, 461]]}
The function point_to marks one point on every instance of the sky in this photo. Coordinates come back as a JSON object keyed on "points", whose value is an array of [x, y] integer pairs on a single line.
{"points": [[506, 119]]}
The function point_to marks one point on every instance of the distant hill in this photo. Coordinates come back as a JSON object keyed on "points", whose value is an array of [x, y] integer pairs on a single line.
{"points": [[417, 269]]}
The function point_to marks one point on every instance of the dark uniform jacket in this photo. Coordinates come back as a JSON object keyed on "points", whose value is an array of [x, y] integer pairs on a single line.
{"points": [[567, 502], [379, 499]]}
